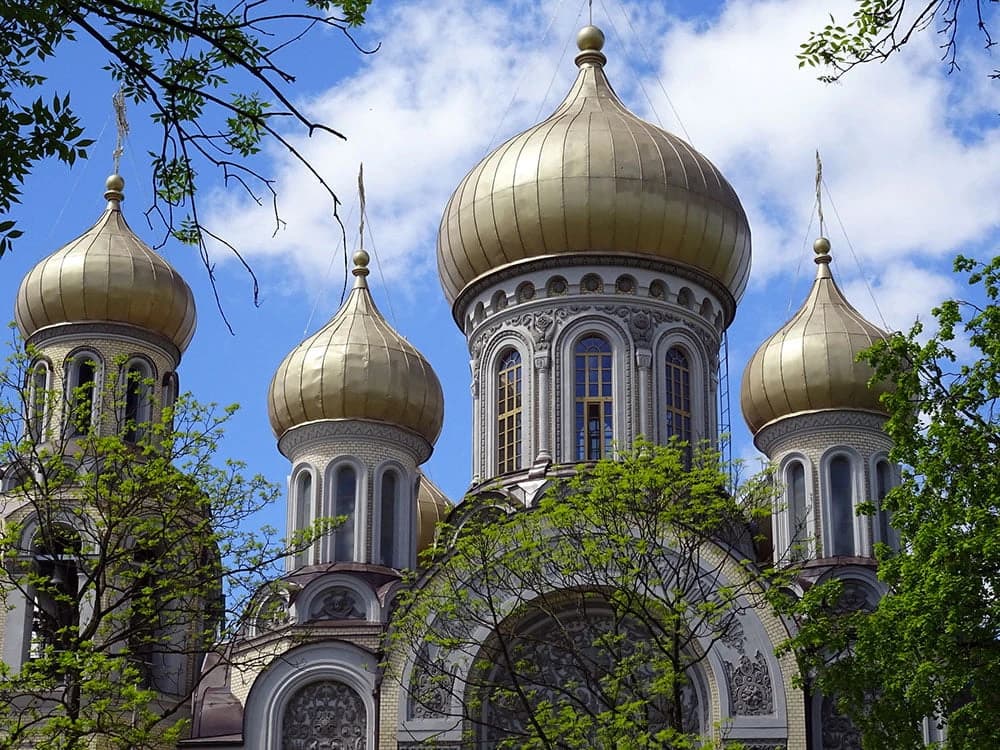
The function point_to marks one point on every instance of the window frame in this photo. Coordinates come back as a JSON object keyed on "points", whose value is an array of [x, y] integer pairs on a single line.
{"points": [[74, 361]]}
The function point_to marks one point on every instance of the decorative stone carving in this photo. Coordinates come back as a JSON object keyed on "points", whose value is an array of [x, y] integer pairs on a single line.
{"points": [[641, 325], [304, 436], [337, 603], [547, 653], [431, 686], [644, 358], [325, 715], [750, 692], [839, 733], [798, 424]]}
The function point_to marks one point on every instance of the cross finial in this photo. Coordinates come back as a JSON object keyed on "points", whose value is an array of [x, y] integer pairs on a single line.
{"points": [[819, 193], [118, 102], [361, 198]]}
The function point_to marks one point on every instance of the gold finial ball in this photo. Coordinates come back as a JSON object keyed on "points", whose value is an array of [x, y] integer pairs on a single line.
{"points": [[115, 183], [361, 259], [821, 246], [590, 38]]}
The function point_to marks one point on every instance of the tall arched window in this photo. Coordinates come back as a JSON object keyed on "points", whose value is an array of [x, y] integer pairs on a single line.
{"points": [[138, 395], [678, 399], [390, 546], [509, 412], [795, 492], [884, 482], [303, 503], [55, 605], [841, 526], [594, 403], [38, 400], [82, 383], [345, 499]]}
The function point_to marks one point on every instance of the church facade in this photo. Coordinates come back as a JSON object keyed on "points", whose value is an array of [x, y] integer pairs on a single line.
{"points": [[594, 263]]}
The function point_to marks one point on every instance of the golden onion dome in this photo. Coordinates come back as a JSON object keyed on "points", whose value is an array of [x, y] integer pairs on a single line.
{"points": [[433, 507], [810, 364], [108, 274], [594, 178], [357, 367]]}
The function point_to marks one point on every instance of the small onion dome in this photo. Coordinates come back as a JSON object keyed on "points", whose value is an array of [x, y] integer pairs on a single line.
{"points": [[107, 274], [433, 507], [594, 178], [357, 367], [810, 364]]}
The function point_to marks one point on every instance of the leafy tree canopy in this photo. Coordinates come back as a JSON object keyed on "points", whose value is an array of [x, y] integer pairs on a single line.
{"points": [[131, 553], [214, 78], [880, 28], [932, 646], [602, 600]]}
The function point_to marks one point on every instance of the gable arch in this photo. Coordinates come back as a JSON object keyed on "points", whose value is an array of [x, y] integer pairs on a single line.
{"points": [[568, 395], [702, 401], [841, 483], [348, 542], [282, 680], [488, 411], [393, 545]]}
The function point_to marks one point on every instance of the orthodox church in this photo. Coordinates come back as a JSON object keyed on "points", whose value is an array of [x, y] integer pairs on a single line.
{"points": [[593, 263]]}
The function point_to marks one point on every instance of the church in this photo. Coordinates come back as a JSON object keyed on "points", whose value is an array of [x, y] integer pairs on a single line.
{"points": [[593, 263]]}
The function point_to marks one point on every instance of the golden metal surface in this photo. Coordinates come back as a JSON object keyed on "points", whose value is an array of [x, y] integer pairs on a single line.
{"points": [[433, 507], [107, 274], [809, 365], [357, 367], [593, 177]]}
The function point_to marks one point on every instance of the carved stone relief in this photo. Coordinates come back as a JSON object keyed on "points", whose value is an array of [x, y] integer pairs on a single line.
{"points": [[431, 685], [750, 692], [325, 715], [337, 603], [551, 656]]}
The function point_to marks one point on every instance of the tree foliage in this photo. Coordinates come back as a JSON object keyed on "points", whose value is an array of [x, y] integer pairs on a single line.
{"points": [[932, 646], [128, 551], [602, 601], [880, 28], [214, 78]]}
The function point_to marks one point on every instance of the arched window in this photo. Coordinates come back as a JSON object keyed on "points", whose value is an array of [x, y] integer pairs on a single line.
{"points": [[594, 402], [38, 400], [302, 503], [345, 490], [884, 481], [509, 411], [325, 714], [841, 506], [678, 398], [795, 494], [138, 401], [55, 617], [390, 544], [82, 383]]}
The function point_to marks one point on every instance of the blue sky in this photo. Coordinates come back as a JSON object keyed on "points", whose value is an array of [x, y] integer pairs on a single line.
{"points": [[911, 157]]}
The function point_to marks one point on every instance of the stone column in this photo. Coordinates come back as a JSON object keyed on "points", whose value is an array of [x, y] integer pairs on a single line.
{"points": [[543, 364], [644, 360]]}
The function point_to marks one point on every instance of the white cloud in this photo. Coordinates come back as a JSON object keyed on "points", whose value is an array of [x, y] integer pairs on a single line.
{"points": [[426, 108]]}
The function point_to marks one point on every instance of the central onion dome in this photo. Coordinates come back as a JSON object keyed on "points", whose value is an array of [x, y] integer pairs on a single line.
{"points": [[357, 367], [107, 274], [810, 364], [593, 179]]}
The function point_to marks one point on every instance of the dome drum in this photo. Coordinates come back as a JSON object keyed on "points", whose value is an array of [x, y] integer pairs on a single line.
{"points": [[661, 284]]}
